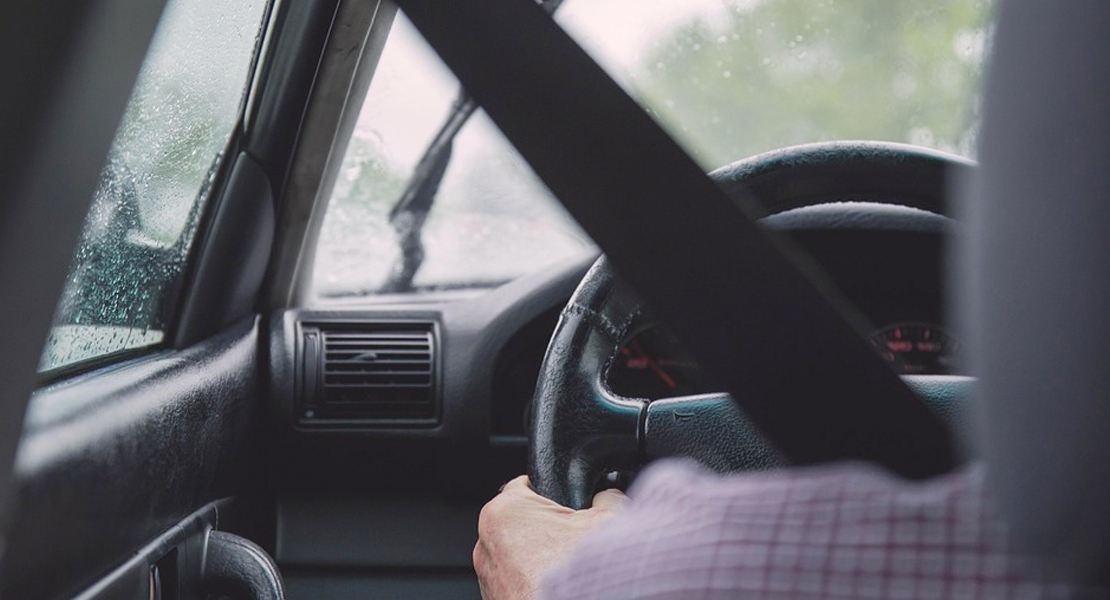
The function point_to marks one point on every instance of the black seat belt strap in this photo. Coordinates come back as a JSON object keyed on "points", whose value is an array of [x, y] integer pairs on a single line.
{"points": [[795, 362]]}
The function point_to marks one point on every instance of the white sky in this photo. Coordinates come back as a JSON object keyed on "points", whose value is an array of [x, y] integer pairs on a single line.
{"points": [[619, 32]]}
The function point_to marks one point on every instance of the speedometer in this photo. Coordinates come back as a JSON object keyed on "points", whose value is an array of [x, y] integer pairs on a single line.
{"points": [[653, 365], [918, 349]]}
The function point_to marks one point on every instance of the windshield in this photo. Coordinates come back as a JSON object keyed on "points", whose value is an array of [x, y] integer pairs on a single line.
{"points": [[728, 79], [492, 219]]}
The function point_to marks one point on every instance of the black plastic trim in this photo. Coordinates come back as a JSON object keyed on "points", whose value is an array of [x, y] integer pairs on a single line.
{"points": [[238, 567], [92, 364], [172, 562], [230, 254], [117, 457], [473, 333], [285, 84], [309, 383]]}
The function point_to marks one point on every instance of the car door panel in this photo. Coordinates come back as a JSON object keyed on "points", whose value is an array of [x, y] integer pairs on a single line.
{"points": [[112, 459]]}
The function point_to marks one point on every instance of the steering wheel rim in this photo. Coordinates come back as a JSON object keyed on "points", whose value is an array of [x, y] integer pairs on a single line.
{"points": [[579, 428]]}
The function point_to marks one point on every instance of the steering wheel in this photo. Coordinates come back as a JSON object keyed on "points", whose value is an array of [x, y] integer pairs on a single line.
{"points": [[581, 430]]}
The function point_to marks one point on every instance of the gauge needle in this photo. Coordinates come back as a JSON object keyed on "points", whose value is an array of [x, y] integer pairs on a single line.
{"points": [[654, 365]]}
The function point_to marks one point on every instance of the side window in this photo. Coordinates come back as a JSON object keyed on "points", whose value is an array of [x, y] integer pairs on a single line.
{"points": [[126, 274]]}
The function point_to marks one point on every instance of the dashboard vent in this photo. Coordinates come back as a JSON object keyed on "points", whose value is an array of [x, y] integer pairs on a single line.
{"points": [[368, 372]]}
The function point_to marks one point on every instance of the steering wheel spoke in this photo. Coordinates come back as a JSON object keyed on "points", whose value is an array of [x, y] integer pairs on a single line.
{"points": [[709, 428]]}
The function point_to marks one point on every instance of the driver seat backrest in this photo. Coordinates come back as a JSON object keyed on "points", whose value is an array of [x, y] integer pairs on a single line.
{"points": [[1035, 281]]}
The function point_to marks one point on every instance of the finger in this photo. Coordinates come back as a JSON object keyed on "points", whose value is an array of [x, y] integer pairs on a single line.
{"points": [[517, 484], [610, 499], [478, 558]]}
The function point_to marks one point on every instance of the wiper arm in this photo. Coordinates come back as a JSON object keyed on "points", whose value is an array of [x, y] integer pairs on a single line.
{"points": [[408, 215], [411, 211]]}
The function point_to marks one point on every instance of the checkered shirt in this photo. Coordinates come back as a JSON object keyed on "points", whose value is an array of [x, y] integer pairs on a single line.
{"points": [[838, 531]]}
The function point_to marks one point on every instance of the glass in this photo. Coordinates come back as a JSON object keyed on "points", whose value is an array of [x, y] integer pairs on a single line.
{"points": [[733, 78], [727, 78], [492, 221], [126, 273]]}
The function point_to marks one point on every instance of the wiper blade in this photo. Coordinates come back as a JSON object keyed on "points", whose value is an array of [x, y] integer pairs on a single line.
{"points": [[410, 213]]}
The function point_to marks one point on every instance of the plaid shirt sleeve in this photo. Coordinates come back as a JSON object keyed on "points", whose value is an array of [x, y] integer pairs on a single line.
{"points": [[839, 531]]}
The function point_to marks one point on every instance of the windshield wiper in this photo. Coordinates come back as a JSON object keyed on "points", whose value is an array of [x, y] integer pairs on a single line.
{"points": [[410, 213]]}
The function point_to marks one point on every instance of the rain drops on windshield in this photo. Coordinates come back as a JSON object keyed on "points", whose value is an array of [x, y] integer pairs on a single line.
{"points": [[728, 79], [492, 219], [740, 77]]}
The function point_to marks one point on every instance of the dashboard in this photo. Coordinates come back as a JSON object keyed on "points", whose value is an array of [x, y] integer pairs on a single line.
{"points": [[464, 370], [652, 363], [429, 396], [408, 412], [887, 265]]}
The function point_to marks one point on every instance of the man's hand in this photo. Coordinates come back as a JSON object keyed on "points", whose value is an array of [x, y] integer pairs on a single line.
{"points": [[522, 535]]}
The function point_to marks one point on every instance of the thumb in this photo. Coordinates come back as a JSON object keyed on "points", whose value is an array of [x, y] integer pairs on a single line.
{"points": [[610, 499]]}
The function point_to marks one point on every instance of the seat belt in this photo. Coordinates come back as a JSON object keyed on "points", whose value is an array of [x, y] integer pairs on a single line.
{"points": [[765, 321]]}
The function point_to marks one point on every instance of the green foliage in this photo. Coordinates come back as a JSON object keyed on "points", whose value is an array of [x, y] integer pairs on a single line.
{"points": [[782, 72]]}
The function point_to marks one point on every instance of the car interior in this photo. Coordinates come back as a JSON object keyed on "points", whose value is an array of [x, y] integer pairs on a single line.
{"points": [[210, 422]]}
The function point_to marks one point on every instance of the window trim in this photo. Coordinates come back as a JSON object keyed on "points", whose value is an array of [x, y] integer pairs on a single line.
{"points": [[341, 83]]}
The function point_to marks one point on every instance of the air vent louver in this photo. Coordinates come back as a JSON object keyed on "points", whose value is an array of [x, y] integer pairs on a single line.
{"points": [[368, 372]]}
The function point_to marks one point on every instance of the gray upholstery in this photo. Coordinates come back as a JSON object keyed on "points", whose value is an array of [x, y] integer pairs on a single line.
{"points": [[1036, 280]]}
